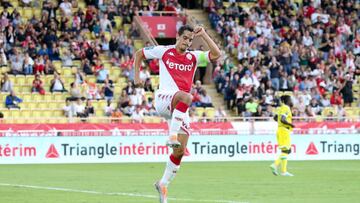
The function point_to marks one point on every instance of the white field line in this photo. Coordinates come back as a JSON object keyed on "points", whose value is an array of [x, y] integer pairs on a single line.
{"points": [[112, 193]]}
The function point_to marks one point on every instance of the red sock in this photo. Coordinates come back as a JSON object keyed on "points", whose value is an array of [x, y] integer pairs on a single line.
{"points": [[175, 160]]}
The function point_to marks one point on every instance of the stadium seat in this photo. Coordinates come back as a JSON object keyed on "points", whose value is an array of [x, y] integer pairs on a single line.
{"points": [[58, 113], [118, 22], [32, 105], [26, 113], [127, 28], [47, 113], [199, 111], [27, 97], [210, 112], [19, 80], [37, 12], [99, 112], [15, 113], [36, 113], [27, 13], [43, 105]]}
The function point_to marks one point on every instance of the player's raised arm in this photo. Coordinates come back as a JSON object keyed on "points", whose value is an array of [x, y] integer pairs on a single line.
{"points": [[214, 49], [139, 57]]}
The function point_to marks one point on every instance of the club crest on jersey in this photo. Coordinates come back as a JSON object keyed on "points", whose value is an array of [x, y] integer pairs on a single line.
{"points": [[188, 56], [180, 67]]}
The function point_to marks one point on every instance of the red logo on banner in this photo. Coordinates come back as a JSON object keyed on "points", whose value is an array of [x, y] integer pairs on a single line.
{"points": [[311, 150], [52, 152], [186, 153]]}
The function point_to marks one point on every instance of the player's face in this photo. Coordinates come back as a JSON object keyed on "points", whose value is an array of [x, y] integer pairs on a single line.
{"points": [[184, 41]]}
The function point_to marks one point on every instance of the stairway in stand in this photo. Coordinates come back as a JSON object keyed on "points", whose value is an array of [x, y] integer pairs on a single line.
{"points": [[201, 17]]}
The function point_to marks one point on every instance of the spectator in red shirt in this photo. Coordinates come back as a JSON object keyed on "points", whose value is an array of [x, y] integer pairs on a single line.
{"points": [[154, 66], [38, 85], [336, 98]]}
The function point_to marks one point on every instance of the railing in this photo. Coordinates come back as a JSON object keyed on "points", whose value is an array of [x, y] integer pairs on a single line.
{"points": [[147, 119], [145, 34], [161, 13]]}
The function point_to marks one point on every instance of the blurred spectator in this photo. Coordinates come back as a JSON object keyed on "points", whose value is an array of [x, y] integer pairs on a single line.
{"points": [[75, 92], [57, 84], [137, 115], [67, 59], [205, 99], [38, 85], [89, 108], [17, 64], [68, 109], [102, 74], [6, 83], [144, 74], [148, 86], [202, 64], [116, 115], [28, 65], [251, 108], [79, 109], [346, 91], [336, 98], [109, 109], [107, 91], [12, 101]]}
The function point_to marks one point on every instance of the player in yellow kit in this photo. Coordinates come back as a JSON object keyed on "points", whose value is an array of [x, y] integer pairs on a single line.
{"points": [[284, 118]]}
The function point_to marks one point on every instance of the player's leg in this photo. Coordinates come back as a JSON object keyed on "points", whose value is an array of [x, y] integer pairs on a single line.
{"points": [[275, 166], [172, 167], [173, 164], [180, 104], [285, 151]]}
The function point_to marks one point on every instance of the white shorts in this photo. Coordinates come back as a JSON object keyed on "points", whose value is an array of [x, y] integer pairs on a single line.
{"points": [[163, 100]]}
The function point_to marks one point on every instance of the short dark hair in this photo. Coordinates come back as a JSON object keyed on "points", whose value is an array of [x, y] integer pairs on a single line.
{"points": [[184, 28], [285, 99]]}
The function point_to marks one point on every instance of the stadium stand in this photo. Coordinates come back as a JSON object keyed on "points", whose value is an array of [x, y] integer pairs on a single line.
{"points": [[307, 49], [310, 51]]}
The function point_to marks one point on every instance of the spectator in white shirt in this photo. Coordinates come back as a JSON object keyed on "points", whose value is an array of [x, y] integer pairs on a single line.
{"points": [[137, 115], [247, 80], [66, 7], [307, 40], [105, 23]]}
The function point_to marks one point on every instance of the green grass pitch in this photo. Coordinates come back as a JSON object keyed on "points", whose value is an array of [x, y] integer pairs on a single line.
{"points": [[314, 181]]}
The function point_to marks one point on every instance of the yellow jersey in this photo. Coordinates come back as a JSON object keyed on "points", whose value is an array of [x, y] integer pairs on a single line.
{"points": [[284, 110]]}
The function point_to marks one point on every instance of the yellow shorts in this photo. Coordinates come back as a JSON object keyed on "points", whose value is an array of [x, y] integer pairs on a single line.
{"points": [[283, 138]]}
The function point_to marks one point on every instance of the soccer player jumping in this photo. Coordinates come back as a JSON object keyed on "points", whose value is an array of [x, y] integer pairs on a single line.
{"points": [[285, 126], [173, 98]]}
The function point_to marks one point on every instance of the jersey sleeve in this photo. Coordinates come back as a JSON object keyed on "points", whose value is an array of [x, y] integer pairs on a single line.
{"points": [[199, 54], [154, 52]]}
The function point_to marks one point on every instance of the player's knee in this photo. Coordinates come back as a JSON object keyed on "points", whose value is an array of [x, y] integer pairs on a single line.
{"points": [[286, 151]]}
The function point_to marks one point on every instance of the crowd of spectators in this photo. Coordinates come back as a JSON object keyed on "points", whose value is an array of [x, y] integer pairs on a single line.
{"points": [[309, 50], [85, 39]]}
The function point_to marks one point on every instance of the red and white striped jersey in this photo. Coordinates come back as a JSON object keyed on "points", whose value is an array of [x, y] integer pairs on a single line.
{"points": [[176, 70]]}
